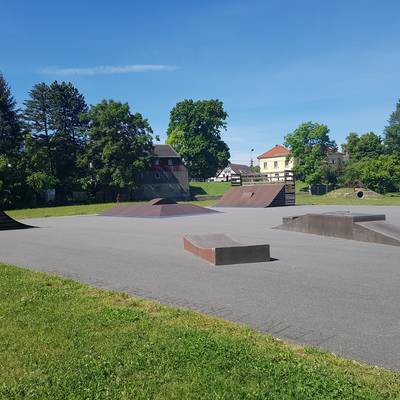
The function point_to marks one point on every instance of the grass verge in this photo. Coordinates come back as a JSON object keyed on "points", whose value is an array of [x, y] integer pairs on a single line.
{"points": [[304, 199], [60, 339]]}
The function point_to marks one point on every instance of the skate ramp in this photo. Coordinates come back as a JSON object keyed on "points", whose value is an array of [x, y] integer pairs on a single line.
{"points": [[220, 249], [8, 223], [371, 228], [156, 208], [260, 196]]}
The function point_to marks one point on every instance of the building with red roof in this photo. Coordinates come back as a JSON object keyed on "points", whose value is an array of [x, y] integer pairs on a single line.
{"points": [[275, 162]]}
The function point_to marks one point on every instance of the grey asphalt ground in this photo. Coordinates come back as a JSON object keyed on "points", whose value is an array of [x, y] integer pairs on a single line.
{"points": [[341, 295]]}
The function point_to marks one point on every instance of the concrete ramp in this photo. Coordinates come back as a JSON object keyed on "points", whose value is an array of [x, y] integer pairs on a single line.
{"points": [[353, 226], [220, 249], [260, 196], [8, 223]]}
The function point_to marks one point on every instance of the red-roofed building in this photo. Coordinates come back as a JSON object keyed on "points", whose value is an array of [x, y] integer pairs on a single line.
{"points": [[277, 151], [274, 162]]}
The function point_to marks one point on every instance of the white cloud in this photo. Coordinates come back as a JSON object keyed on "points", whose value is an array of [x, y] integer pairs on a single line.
{"points": [[107, 69]]}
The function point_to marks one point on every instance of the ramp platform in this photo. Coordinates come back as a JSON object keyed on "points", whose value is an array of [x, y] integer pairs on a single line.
{"points": [[8, 223], [371, 228], [220, 249], [156, 208], [259, 195]]}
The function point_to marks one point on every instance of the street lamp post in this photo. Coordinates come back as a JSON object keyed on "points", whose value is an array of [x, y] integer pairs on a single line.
{"points": [[251, 158]]}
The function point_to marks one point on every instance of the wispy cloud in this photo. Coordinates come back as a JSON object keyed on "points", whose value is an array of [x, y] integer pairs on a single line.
{"points": [[107, 69]]}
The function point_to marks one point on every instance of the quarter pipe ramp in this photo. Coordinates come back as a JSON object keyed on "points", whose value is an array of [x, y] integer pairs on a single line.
{"points": [[259, 195]]}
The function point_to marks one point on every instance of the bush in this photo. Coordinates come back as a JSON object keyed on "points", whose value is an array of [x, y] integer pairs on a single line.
{"points": [[381, 174]]}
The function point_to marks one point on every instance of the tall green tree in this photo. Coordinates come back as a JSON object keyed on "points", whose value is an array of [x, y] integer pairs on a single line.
{"points": [[194, 131], [309, 145], [67, 107], [54, 115], [392, 132], [368, 145], [37, 116], [118, 146], [10, 128], [12, 176]]}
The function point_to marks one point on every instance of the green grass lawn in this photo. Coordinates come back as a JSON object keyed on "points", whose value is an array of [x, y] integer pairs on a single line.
{"points": [[209, 188], [60, 339], [387, 200], [82, 209], [337, 197]]}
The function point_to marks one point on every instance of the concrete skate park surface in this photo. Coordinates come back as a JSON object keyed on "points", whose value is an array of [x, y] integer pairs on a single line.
{"points": [[338, 294]]}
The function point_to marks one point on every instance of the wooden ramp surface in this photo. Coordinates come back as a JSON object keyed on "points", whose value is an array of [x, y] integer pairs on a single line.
{"points": [[260, 196], [220, 249]]}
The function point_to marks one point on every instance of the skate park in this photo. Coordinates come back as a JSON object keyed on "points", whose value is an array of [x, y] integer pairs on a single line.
{"points": [[339, 294]]}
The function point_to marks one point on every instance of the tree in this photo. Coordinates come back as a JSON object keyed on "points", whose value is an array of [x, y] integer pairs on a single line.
{"points": [[381, 174], [118, 146], [10, 129], [194, 131], [309, 145], [67, 108], [392, 132], [37, 116], [53, 114], [368, 145], [11, 138]]}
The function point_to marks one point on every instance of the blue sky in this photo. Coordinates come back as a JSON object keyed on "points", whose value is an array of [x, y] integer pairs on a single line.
{"points": [[274, 64]]}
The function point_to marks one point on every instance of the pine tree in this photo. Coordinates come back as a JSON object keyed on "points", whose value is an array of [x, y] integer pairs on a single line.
{"points": [[53, 113], [37, 116], [392, 132], [10, 129], [12, 175], [67, 108]]}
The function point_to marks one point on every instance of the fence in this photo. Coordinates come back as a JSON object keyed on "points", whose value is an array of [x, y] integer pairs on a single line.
{"points": [[253, 179]]}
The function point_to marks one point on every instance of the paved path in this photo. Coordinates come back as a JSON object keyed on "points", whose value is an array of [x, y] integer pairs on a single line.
{"points": [[341, 295]]}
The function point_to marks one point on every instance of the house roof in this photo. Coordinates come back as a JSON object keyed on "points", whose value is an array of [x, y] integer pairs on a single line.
{"points": [[165, 151], [277, 151], [240, 168]]}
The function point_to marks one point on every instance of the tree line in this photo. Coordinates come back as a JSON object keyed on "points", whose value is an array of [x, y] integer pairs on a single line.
{"points": [[371, 160], [56, 141]]}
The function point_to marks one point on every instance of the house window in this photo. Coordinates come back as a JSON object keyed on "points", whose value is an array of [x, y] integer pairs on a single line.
{"points": [[169, 161], [265, 164], [157, 161], [275, 164], [286, 163]]}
